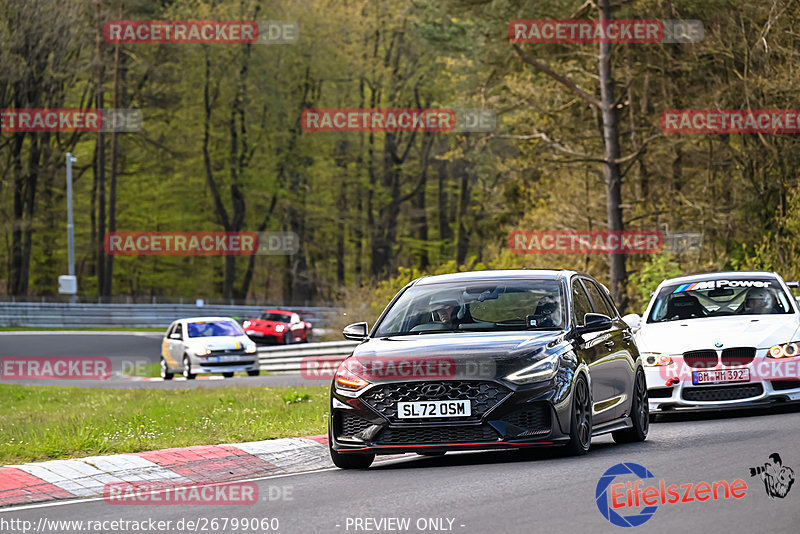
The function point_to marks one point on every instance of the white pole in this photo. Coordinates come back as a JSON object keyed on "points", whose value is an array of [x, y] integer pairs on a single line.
{"points": [[70, 226]]}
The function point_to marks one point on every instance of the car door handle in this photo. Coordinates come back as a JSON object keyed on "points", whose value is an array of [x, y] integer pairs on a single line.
{"points": [[609, 344]]}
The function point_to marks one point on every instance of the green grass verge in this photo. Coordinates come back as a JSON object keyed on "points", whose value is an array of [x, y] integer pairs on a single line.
{"points": [[80, 329], [45, 423]]}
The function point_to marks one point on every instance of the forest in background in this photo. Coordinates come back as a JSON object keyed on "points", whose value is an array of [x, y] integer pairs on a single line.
{"points": [[222, 148]]}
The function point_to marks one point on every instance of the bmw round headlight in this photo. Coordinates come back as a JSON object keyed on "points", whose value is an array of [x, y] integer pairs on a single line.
{"points": [[785, 350], [656, 359]]}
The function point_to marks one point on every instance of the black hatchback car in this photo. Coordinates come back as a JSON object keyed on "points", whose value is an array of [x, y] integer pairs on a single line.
{"points": [[488, 360]]}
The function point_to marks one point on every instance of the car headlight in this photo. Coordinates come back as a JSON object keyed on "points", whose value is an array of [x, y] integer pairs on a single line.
{"points": [[544, 369], [251, 348], [656, 359], [785, 350], [280, 328], [346, 379], [245, 324], [202, 351]]}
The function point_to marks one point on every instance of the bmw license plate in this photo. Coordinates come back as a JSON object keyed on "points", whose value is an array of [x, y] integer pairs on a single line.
{"points": [[448, 408], [722, 375]]}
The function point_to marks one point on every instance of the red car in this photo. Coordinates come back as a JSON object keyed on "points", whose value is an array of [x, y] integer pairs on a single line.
{"points": [[278, 326]]}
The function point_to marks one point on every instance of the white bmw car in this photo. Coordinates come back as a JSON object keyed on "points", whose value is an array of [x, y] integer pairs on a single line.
{"points": [[721, 340]]}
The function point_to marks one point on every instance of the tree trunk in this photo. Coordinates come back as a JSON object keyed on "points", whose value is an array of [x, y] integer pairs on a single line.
{"points": [[100, 163], [611, 172], [112, 195]]}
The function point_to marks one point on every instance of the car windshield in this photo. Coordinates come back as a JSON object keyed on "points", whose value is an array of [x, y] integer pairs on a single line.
{"points": [[276, 317], [717, 298], [490, 305], [214, 328]]}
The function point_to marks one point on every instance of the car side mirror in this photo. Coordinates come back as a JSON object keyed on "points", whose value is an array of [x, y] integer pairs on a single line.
{"points": [[594, 322], [634, 321], [175, 336], [355, 331]]}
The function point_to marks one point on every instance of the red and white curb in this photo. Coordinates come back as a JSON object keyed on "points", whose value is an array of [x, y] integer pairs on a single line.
{"points": [[86, 477]]}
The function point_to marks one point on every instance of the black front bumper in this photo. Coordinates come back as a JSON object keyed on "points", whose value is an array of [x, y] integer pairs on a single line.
{"points": [[503, 416]]}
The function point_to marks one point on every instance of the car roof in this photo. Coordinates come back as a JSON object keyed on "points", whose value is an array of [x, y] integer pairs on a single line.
{"points": [[717, 276], [500, 274], [280, 311], [206, 319]]}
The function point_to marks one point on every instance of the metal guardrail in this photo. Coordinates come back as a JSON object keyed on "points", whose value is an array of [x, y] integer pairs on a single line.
{"points": [[308, 357], [61, 314]]}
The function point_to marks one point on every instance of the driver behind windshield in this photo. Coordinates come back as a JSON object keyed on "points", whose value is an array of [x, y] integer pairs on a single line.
{"points": [[445, 313], [548, 312], [759, 300]]}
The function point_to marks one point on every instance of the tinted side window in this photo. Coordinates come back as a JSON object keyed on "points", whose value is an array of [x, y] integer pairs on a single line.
{"points": [[179, 330], [580, 302], [610, 304], [600, 304]]}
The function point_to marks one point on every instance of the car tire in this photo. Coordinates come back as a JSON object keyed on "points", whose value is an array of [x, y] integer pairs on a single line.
{"points": [[227, 375], [254, 372], [287, 338], [165, 374], [348, 461], [580, 428], [187, 369], [640, 413]]}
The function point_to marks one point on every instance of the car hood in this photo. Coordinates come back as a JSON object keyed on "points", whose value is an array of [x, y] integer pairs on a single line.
{"points": [[219, 342], [676, 337], [473, 355]]}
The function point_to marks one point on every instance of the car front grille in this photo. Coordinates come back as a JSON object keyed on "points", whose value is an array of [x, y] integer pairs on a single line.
{"points": [[227, 352], [536, 420], [738, 356], [722, 393], [483, 395], [434, 435], [700, 359], [780, 385]]}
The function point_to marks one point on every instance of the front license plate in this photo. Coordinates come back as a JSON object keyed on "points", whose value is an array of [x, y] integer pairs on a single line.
{"points": [[224, 359], [449, 408], [722, 375]]}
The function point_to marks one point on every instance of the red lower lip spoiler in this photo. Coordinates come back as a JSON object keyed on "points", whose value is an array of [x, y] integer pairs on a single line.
{"points": [[447, 445]]}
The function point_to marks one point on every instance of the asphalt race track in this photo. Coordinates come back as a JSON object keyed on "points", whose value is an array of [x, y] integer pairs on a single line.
{"points": [[513, 492], [126, 350]]}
